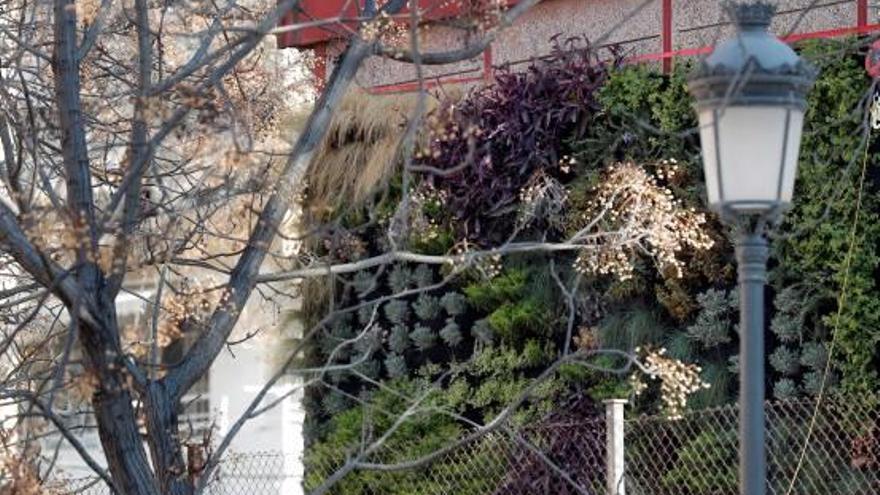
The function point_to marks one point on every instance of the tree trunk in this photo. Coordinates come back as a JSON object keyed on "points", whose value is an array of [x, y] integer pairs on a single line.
{"points": [[163, 438], [113, 405], [123, 447]]}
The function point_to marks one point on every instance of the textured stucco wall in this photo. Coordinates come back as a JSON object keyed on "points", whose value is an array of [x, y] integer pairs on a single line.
{"points": [[637, 31], [695, 23], [379, 71], [701, 22]]}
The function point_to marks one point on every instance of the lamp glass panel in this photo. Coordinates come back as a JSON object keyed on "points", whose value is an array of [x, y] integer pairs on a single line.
{"points": [[795, 129], [710, 162], [750, 140]]}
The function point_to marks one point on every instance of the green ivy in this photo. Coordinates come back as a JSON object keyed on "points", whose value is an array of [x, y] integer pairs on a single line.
{"points": [[813, 254]]}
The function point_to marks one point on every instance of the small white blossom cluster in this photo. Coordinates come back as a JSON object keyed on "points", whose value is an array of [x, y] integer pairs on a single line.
{"points": [[427, 193], [485, 14], [441, 127], [384, 28], [543, 198], [346, 247], [636, 214], [422, 225], [678, 380], [487, 267], [565, 163], [490, 267], [667, 169]]}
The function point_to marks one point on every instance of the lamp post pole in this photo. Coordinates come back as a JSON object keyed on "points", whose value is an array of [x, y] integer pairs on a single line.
{"points": [[750, 96], [751, 254]]}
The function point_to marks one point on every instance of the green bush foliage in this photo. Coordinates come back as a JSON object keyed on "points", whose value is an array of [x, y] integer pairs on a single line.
{"points": [[422, 434], [705, 464]]}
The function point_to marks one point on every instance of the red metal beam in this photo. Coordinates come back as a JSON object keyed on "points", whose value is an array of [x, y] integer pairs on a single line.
{"points": [[286, 38], [666, 35], [488, 65], [319, 70], [862, 13], [792, 38]]}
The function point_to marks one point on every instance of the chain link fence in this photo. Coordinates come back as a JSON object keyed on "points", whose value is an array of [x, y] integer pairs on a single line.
{"points": [[264, 473], [549, 458], [833, 449]]}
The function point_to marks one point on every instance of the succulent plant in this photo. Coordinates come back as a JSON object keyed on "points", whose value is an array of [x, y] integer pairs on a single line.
{"points": [[363, 282], [733, 364], [785, 389], [397, 311], [813, 382], [427, 307], [342, 330], [814, 355], [451, 333], [331, 345], [423, 276], [786, 328], [785, 360], [370, 368], [398, 340], [365, 314], [340, 319], [454, 303], [327, 344], [370, 342], [423, 337], [714, 324], [400, 278], [482, 332], [395, 365], [336, 375]]}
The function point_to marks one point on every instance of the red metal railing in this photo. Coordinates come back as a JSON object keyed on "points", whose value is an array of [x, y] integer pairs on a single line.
{"points": [[792, 38], [665, 57]]}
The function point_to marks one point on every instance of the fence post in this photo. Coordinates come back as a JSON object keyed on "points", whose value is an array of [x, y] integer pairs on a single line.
{"points": [[614, 447]]}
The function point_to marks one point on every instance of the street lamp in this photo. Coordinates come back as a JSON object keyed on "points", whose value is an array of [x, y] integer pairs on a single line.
{"points": [[750, 97]]}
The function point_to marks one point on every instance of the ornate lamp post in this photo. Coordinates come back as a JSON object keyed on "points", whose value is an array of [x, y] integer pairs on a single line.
{"points": [[750, 97]]}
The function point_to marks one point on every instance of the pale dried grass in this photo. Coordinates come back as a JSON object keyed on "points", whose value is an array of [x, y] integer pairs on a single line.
{"points": [[360, 153]]}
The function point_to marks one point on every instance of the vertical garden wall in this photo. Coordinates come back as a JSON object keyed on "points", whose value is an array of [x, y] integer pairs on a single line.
{"points": [[537, 157]]}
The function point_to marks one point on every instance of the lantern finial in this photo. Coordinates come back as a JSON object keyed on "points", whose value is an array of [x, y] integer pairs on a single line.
{"points": [[754, 15]]}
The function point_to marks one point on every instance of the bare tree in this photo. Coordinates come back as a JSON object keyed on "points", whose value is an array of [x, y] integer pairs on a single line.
{"points": [[145, 139]]}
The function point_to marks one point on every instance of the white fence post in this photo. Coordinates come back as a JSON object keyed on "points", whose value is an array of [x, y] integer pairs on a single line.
{"points": [[614, 446]]}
